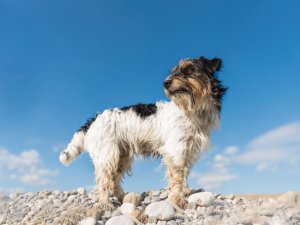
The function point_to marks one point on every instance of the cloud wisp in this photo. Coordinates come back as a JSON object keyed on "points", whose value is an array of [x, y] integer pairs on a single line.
{"points": [[273, 149], [25, 167], [276, 149]]}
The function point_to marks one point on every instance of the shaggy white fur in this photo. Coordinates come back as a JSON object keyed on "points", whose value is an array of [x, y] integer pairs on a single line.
{"points": [[178, 131]]}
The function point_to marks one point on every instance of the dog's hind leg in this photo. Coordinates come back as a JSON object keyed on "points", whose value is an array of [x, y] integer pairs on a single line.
{"points": [[106, 168], [124, 167], [106, 187]]}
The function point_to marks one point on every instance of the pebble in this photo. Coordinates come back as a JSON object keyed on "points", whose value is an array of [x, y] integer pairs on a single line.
{"points": [[231, 196], [50, 207], [132, 197], [290, 198], [160, 210], [172, 222], [81, 191], [164, 195], [120, 220], [202, 198], [87, 221], [147, 200], [71, 198], [155, 193], [127, 208], [155, 199]]}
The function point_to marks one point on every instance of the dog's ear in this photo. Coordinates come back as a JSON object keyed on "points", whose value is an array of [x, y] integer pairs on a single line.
{"points": [[212, 65]]}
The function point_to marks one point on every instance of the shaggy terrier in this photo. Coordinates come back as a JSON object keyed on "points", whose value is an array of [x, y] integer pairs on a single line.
{"points": [[178, 131]]}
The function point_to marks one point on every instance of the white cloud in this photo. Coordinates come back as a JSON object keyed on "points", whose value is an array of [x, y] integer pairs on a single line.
{"points": [[214, 179], [220, 172], [281, 136], [24, 159], [274, 148], [266, 153], [25, 167], [231, 150]]}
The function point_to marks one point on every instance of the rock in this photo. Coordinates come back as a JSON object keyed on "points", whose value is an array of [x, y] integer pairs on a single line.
{"points": [[162, 222], [127, 208], [192, 205], [202, 198], [2, 218], [152, 220], [210, 221], [289, 199], [99, 222], [201, 210], [155, 199], [155, 193], [120, 220], [172, 222], [147, 200], [57, 203], [277, 220], [164, 195], [87, 221], [71, 198], [107, 214], [38, 204], [81, 191], [132, 197], [160, 210], [231, 196]]}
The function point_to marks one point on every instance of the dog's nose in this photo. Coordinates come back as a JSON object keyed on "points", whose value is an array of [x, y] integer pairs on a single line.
{"points": [[167, 83]]}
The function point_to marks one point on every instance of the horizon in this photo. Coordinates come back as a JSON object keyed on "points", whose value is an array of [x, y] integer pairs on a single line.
{"points": [[62, 61]]}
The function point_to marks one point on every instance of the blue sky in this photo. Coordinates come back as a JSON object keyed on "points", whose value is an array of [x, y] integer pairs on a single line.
{"points": [[62, 61]]}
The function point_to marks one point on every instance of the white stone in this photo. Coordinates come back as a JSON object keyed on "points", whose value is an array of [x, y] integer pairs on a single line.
{"points": [[162, 222], [132, 197], [81, 191], [164, 194], [155, 199], [57, 203], [290, 198], [38, 204], [172, 222], [277, 220], [71, 198], [120, 220], [202, 198], [2, 218], [87, 221], [231, 196], [160, 210], [155, 193], [127, 208]]}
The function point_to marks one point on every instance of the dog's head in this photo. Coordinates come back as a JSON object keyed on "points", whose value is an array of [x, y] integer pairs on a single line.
{"points": [[194, 82]]}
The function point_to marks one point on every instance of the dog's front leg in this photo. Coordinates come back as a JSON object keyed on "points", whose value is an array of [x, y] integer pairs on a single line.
{"points": [[177, 184]]}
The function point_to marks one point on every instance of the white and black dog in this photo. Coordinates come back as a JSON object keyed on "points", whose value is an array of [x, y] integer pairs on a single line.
{"points": [[178, 131]]}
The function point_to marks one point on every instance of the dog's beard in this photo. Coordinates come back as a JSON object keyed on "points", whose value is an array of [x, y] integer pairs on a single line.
{"points": [[184, 101]]}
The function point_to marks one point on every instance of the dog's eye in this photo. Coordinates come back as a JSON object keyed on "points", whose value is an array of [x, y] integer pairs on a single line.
{"points": [[188, 70]]}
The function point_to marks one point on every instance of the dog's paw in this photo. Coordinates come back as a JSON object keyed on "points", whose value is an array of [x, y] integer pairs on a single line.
{"points": [[178, 200], [105, 206], [187, 191]]}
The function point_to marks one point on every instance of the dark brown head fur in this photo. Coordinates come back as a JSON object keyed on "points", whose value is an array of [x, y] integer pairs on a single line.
{"points": [[194, 82]]}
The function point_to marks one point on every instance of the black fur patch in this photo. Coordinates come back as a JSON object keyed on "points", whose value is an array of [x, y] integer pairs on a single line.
{"points": [[88, 123], [218, 91], [142, 110]]}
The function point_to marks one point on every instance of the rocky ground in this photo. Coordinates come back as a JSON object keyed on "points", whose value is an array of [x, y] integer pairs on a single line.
{"points": [[204, 208]]}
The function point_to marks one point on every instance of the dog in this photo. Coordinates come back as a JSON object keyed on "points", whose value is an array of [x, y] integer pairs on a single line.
{"points": [[178, 131]]}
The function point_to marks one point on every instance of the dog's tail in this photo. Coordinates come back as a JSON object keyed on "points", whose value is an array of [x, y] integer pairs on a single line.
{"points": [[74, 149]]}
